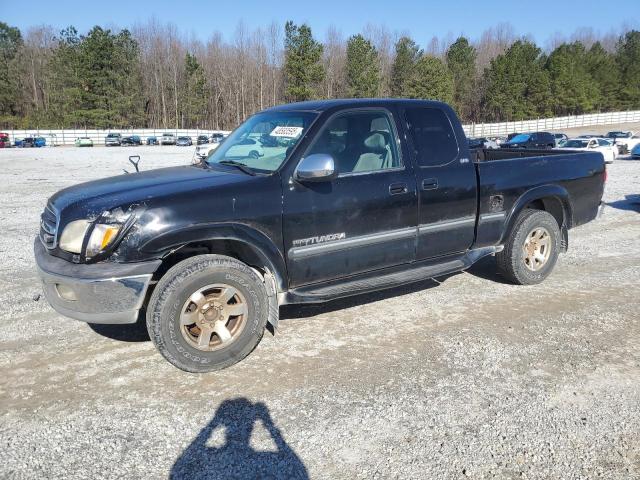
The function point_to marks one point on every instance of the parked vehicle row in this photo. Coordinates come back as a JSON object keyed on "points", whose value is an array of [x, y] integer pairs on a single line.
{"points": [[116, 139]]}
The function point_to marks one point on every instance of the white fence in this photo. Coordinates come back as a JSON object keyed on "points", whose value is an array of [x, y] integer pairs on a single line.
{"points": [[68, 137], [552, 124]]}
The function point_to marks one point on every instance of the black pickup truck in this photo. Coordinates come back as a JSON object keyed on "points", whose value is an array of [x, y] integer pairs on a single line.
{"points": [[348, 196]]}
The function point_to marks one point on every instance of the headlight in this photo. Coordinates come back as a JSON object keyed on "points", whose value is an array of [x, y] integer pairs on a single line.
{"points": [[73, 236], [101, 237]]}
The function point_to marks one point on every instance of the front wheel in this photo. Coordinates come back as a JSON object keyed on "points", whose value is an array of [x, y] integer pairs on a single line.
{"points": [[207, 313], [531, 251]]}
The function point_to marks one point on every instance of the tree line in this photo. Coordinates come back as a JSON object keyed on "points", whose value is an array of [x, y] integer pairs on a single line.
{"points": [[153, 76]]}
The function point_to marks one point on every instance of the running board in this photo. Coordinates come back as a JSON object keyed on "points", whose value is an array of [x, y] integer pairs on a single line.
{"points": [[389, 278]]}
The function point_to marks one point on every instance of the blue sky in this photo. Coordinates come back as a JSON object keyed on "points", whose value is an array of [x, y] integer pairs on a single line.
{"points": [[422, 19]]}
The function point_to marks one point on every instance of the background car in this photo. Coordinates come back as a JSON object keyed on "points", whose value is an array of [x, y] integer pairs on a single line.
{"points": [[132, 140], [113, 140], [217, 137], [203, 151], [29, 142], [5, 141], [152, 140], [601, 145], [184, 142], [535, 140], [84, 142], [625, 141], [635, 151], [559, 138], [248, 147], [482, 142], [168, 139], [202, 139]]}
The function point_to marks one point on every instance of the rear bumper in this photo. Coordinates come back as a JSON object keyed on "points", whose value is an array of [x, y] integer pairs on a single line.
{"points": [[95, 293]]}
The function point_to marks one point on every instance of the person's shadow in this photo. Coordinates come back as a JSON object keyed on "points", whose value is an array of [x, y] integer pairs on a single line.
{"points": [[236, 458]]}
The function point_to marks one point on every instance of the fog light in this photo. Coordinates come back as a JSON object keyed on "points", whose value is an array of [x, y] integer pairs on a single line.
{"points": [[66, 293]]}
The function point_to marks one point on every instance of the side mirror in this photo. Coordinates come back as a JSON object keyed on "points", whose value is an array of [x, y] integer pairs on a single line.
{"points": [[319, 167]]}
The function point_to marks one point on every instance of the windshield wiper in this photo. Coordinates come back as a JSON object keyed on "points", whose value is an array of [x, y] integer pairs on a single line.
{"points": [[239, 165]]}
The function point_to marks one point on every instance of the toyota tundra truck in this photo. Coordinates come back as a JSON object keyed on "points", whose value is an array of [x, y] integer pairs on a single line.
{"points": [[349, 196]]}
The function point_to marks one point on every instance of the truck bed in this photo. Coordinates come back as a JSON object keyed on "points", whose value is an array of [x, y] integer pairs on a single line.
{"points": [[572, 184]]}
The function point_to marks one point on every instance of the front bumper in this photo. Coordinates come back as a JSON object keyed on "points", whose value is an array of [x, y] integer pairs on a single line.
{"points": [[94, 293]]}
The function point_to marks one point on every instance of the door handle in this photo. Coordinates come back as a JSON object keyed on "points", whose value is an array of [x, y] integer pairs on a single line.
{"points": [[398, 188], [430, 184]]}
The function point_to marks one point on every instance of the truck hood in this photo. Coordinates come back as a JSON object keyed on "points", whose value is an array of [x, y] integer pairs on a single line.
{"points": [[96, 196]]}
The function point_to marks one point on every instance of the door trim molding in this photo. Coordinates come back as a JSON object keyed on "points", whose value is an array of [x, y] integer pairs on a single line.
{"points": [[299, 253], [446, 224]]}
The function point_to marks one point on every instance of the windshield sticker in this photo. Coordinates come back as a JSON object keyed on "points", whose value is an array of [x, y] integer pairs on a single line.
{"points": [[290, 132]]}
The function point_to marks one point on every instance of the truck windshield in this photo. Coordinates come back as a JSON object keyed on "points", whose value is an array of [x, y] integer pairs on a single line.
{"points": [[263, 142]]}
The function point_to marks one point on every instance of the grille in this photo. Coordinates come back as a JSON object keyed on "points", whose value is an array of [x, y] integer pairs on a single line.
{"points": [[48, 227]]}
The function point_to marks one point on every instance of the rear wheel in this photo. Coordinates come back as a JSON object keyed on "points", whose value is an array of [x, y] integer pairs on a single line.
{"points": [[531, 251], [207, 313]]}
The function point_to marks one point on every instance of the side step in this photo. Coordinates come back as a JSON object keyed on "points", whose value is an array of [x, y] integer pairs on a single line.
{"points": [[388, 278]]}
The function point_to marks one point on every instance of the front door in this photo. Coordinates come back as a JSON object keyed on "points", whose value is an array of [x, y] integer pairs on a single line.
{"points": [[446, 180], [363, 220]]}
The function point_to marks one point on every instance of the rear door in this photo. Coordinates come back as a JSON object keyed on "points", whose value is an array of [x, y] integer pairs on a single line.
{"points": [[446, 180], [363, 220]]}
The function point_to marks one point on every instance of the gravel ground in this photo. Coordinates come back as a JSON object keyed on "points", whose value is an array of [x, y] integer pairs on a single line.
{"points": [[464, 377]]}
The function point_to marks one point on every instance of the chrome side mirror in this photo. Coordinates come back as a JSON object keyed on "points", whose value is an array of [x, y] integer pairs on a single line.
{"points": [[319, 167]]}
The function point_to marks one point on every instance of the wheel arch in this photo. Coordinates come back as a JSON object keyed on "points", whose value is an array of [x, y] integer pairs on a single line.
{"points": [[242, 242], [553, 199]]}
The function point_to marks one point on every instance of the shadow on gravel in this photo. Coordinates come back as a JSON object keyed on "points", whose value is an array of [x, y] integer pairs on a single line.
{"points": [[236, 458], [486, 269], [134, 332], [630, 203]]}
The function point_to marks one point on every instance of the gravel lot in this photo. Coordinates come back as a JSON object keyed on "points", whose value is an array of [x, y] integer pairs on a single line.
{"points": [[465, 377]]}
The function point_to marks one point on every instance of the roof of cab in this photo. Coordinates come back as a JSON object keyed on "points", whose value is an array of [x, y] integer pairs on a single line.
{"points": [[322, 105]]}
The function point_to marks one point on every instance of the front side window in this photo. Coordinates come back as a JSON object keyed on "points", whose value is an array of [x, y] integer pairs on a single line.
{"points": [[433, 137], [263, 142], [359, 142]]}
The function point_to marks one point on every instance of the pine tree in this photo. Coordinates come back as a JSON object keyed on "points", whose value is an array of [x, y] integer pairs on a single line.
{"points": [[302, 67], [461, 61], [195, 97], [407, 54], [517, 85], [430, 79], [363, 69], [603, 69], [574, 90], [628, 56], [10, 43]]}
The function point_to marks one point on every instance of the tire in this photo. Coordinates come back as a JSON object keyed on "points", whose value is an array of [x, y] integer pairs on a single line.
{"points": [[514, 264], [175, 290]]}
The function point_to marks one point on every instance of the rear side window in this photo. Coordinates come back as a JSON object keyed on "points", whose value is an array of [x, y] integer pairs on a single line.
{"points": [[432, 136]]}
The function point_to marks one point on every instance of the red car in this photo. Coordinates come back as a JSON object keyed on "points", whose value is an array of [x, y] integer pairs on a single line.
{"points": [[4, 140]]}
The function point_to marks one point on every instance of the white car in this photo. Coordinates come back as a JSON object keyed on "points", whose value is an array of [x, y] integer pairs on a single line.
{"points": [[248, 147], [625, 141], [204, 150], [168, 139], [602, 145]]}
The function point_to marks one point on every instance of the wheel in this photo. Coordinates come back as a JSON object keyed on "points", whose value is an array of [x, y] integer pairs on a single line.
{"points": [[207, 312], [531, 251], [254, 154]]}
